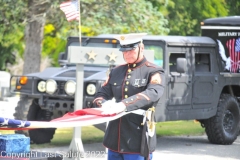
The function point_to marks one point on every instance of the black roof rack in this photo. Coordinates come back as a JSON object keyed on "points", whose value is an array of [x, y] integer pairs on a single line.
{"points": [[223, 21]]}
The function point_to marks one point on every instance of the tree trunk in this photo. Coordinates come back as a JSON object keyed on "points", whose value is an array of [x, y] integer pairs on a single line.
{"points": [[34, 33], [32, 54]]}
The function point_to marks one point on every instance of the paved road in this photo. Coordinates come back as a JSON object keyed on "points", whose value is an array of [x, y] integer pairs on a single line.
{"points": [[172, 148], [196, 148]]}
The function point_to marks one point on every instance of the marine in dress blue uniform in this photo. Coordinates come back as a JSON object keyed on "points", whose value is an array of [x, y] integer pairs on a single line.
{"points": [[138, 84]]}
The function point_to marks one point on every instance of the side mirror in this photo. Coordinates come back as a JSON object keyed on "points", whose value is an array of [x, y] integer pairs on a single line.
{"points": [[61, 56], [181, 65], [61, 60]]}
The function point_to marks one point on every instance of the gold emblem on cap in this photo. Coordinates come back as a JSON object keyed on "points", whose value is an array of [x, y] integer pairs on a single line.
{"points": [[91, 55], [112, 57], [122, 38]]}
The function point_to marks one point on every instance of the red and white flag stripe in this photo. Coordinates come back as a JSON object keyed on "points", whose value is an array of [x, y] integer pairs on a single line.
{"points": [[234, 55], [84, 117], [71, 10]]}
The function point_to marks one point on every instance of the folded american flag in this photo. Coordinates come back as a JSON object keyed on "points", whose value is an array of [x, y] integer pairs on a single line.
{"points": [[71, 10], [84, 117]]}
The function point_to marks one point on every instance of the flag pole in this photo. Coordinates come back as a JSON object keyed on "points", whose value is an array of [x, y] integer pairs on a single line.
{"points": [[76, 145], [79, 24]]}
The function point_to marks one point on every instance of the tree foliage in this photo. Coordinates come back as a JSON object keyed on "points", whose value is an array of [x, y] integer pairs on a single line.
{"points": [[100, 17], [233, 7], [181, 17], [122, 16], [185, 16], [11, 30]]}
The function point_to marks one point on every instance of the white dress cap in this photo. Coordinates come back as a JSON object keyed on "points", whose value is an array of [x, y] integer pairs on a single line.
{"points": [[130, 38]]}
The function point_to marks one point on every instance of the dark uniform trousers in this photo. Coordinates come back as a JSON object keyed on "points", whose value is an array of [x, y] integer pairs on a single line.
{"points": [[133, 85]]}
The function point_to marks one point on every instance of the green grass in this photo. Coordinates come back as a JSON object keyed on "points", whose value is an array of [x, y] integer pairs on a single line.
{"points": [[178, 128], [7, 132], [63, 137], [91, 134]]}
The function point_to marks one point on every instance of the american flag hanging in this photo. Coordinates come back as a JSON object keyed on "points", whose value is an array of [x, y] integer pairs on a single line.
{"points": [[71, 10], [233, 46], [237, 52]]}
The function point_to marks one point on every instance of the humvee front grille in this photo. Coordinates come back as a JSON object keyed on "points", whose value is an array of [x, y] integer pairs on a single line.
{"points": [[61, 88]]}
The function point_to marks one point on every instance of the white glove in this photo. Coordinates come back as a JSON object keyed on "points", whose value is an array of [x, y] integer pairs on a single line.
{"points": [[112, 108], [108, 104]]}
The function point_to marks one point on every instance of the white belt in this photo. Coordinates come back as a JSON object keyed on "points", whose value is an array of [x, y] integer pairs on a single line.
{"points": [[147, 119]]}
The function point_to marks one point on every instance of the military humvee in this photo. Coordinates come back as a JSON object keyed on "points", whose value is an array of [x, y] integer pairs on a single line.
{"points": [[202, 81]]}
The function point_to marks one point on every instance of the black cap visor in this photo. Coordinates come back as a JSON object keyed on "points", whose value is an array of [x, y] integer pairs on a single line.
{"points": [[128, 47]]}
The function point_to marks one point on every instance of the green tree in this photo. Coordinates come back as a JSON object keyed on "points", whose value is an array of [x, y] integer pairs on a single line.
{"points": [[21, 31], [41, 28], [161, 5], [185, 16], [54, 42], [100, 17], [233, 7], [122, 16], [11, 30]]}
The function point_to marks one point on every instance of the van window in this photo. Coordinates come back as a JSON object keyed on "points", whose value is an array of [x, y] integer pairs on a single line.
{"points": [[173, 61], [202, 62]]}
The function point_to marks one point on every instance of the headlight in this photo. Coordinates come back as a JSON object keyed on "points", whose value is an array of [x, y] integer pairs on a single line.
{"points": [[41, 86], [91, 89], [70, 87], [51, 86]]}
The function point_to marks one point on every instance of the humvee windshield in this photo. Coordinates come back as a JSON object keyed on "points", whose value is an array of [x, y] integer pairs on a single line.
{"points": [[158, 54]]}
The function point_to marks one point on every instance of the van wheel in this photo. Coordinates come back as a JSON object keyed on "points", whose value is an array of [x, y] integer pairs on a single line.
{"points": [[223, 128], [43, 135], [21, 112]]}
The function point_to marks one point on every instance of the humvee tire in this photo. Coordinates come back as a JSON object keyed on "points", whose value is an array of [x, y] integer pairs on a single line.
{"points": [[223, 127], [21, 112], [43, 135], [28, 109]]}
